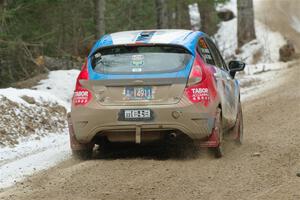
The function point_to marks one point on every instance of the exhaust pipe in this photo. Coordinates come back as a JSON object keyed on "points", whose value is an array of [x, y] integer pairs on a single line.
{"points": [[173, 135]]}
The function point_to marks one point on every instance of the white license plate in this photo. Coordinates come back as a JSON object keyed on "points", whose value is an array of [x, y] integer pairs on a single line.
{"points": [[135, 115]]}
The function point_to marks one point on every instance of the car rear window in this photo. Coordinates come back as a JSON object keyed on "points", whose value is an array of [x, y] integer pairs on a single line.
{"points": [[140, 59]]}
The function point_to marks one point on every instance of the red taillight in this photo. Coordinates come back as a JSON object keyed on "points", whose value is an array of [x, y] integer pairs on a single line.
{"points": [[81, 95], [83, 75], [197, 90], [196, 75]]}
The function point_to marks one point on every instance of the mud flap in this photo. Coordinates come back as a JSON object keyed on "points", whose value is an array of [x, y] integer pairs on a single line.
{"points": [[213, 140]]}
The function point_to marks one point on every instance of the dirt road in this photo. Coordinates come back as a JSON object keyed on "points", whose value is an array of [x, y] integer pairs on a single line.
{"points": [[265, 167], [272, 129]]}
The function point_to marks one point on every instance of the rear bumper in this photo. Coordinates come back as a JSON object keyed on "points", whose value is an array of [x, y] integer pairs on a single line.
{"points": [[194, 120]]}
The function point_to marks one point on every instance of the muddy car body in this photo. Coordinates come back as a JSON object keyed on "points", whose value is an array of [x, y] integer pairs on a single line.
{"points": [[139, 86]]}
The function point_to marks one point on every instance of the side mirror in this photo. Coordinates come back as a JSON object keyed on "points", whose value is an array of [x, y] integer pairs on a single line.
{"points": [[235, 66]]}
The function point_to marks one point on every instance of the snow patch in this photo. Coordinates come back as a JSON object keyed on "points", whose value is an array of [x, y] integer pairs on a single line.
{"points": [[230, 5], [61, 84], [195, 16], [267, 43], [31, 156], [264, 49], [16, 95], [33, 128]]}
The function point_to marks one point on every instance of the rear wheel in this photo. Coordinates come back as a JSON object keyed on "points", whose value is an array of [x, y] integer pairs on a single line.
{"points": [[218, 151]]}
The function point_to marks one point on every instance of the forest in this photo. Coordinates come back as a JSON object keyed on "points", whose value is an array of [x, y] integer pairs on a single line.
{"points": [[32, 30]]}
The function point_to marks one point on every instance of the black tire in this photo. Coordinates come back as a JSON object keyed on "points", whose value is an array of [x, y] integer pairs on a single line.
{"points": [[239, 126], [82, 154], [219, 151]]}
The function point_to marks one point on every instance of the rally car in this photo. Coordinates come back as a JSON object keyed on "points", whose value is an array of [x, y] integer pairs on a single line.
{"points": [[142, 86]]}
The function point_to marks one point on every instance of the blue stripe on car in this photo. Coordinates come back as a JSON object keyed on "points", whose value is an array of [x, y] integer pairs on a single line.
{"points": [[188, 41], [106, 40], [184, 73]]}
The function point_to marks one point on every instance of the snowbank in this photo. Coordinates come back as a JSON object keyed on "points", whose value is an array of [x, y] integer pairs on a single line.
{"points": [[265, 49], [28, 113], [31, 156], [230, 5], [33, 128], [60, 83], [36, 112]]}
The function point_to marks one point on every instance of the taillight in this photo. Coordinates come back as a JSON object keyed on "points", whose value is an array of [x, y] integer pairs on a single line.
{"points": [[197, 90], [196, 75], [82, 95]]}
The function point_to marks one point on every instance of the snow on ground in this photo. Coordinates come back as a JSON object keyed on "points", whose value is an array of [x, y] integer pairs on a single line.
{"points": [[261, 78], [33, 128], [16, 95], [265, 49], [194, 16], [60, 83], [231, 5], [260, 55], [31, 156]]}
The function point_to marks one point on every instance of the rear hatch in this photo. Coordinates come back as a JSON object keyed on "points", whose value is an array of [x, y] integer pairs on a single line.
{"points": [[139, 75]]}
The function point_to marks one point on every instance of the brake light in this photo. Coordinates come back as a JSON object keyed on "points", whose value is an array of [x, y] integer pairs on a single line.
{"points": [[196, 75], [197, 90], [83, 75], [82, 95]]}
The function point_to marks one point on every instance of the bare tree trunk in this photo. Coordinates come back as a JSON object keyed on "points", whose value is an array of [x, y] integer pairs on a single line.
{"points": [[161, 13], [99, 17], [246, 29], [182, 15], [208, 16], [3, 5]]}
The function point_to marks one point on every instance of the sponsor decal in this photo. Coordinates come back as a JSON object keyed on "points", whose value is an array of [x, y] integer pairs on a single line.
{"points": [[200, 94], [137, 62], [205, 52], [81, 97], [202, 43]]}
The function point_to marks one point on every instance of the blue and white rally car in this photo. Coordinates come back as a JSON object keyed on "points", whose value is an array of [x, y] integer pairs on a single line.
{"points": [[143, 86]]}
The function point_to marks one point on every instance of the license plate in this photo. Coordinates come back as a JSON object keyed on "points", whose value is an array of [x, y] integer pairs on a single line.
{"points": [[135, 115], [138, 93]]}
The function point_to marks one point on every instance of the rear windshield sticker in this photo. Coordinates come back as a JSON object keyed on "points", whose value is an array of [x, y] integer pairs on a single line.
{"points": [[207, 56], [202, 44], [205, 51], [137, 60], [97, 55], [136, 70]]}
